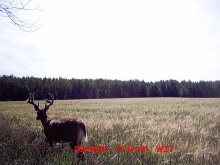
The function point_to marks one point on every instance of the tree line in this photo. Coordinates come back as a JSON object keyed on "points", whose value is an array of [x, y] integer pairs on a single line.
{"points": [[14, 88]]}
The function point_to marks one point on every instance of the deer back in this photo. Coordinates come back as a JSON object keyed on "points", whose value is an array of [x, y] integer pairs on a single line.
{"points": [[64, 129]]}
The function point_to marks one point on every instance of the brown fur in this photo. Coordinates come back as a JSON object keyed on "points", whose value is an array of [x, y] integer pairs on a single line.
{"points": [[65, 130]]}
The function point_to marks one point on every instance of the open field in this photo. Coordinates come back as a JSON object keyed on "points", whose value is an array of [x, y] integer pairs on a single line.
{"points": [[190, 126]]}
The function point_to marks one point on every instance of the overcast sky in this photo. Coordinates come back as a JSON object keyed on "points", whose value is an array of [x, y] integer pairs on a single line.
{"points": [[148, 40]]}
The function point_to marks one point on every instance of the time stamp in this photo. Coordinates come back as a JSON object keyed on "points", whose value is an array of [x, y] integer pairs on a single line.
{"points": [[121, 148]]}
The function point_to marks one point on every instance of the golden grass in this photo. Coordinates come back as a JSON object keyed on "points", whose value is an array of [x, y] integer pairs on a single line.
{"points": [[190, 126]]}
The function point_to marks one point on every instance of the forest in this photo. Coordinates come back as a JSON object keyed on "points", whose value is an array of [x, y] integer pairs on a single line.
{"points": [[14, 88]]}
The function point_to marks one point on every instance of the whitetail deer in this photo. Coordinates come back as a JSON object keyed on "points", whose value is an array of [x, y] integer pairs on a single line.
{"points": [[60, 130]]}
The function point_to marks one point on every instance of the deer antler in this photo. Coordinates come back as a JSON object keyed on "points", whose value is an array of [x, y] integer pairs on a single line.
{"points": [[30, 100], [49, 101]]}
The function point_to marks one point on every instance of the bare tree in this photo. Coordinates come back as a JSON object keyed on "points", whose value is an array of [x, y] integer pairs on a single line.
{"points": [[16, 10]]}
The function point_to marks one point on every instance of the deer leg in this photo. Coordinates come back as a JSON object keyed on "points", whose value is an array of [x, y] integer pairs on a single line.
{"points": [[80, 155], [72, 146], [51, 143]]}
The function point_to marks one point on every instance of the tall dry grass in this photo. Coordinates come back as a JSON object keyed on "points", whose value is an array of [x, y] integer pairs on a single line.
{"points": [[190, 126]]}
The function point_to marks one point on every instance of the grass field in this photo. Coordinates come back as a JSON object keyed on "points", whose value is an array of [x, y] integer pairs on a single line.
{"points": [[190, 126]]}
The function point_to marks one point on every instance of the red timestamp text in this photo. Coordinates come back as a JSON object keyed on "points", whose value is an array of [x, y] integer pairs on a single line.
{"points": [[121, 148], [164, 148], [142, 149], [90, 148], [128, 148]]}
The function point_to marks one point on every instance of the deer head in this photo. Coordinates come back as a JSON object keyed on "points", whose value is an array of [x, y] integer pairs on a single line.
{"points": [[41, 113]]}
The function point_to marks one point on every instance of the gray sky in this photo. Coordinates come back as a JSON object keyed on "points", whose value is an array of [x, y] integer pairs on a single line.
{"points": [[148, 40]]}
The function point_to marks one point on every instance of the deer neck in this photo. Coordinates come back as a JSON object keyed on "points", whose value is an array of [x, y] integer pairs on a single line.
{"points": [[44, 120]]}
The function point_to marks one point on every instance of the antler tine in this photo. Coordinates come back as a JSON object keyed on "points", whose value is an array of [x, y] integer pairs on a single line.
{"points": [[49, 101], [30, 100], [52, 99]]}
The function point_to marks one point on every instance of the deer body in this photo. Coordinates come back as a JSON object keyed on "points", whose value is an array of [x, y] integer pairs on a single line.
{"points": [[65, 130], [60, 130]]}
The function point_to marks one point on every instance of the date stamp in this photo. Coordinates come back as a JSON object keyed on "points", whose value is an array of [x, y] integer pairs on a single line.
{"points": [[164, 148], [90, 149], [121, 148]]}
